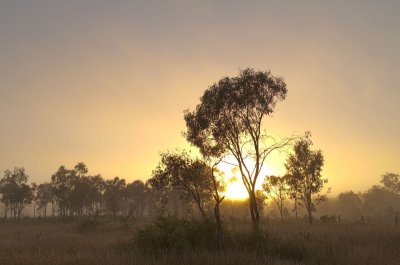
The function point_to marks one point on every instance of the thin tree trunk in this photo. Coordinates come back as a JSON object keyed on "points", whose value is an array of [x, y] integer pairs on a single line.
{"points": [[219, 226]]}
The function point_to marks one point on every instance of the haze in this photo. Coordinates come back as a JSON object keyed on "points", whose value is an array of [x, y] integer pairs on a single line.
{"points": [[106, 82]]}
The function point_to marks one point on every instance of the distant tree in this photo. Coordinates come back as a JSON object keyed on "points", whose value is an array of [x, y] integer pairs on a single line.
{"points": [[229, 119], [114, 194], [76, 192], [277, 189], [62, 183], [391, 182], [156, 199], [81, 169], [380, 204], [135, 194], [16, 193], [350, 204], [96, 191], [44, 196], [34, 188], [304, 174], [294, 187]]}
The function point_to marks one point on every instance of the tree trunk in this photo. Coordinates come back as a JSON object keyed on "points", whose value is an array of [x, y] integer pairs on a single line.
{"points": [[309, 208], [219, 226], [281, 212], [309, 217], [295, 208], [255, 216]]}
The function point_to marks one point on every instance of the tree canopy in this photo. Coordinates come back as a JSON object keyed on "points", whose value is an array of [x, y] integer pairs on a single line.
{"points": [[228, 120]]}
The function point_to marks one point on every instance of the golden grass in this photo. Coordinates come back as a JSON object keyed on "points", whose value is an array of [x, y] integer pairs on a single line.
{"points": [[50, 242]]}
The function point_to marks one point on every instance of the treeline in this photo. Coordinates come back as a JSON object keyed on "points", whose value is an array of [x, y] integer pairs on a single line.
{"points": [[380, 203], [73, 192]]}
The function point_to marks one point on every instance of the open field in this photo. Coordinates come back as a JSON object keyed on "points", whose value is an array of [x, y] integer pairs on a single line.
{"points": [[110, 242]]}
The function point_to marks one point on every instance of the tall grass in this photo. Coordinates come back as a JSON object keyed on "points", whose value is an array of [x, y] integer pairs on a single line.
{"points": [[111, 241]]}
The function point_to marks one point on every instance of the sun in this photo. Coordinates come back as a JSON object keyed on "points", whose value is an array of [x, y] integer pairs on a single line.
{"points": [[235, 189]]}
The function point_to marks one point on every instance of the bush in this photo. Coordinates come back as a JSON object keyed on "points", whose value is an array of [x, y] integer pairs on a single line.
{"points": [[172, 234], [168, 234]]}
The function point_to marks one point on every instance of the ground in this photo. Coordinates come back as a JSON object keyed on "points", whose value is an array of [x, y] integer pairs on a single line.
{"points": [[109, 241]]}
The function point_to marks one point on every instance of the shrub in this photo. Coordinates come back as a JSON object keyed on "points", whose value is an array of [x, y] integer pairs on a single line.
{"points": [[326, 219], [167, 234], [172, 234]]}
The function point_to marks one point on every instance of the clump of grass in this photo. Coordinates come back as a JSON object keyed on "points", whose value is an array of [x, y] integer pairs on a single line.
{"points": [[88, 224]]}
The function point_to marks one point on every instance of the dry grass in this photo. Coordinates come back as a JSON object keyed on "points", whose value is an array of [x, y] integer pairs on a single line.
{"points": [[50, 242]]}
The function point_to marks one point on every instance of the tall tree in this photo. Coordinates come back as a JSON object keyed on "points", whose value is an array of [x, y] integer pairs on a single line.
{"points": [[277, 189], [229, 120], [304, 169]]}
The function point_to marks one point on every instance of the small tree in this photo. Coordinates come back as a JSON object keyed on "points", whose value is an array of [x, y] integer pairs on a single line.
{"points": [[304, 169], [195, 177], [179, 171], [276, 188], [15, 191]]}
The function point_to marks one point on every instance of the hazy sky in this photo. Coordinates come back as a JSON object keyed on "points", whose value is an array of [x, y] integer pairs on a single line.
{"points": [[106, 82]]}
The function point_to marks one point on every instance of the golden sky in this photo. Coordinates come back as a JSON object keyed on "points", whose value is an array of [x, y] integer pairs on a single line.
{"points": [[106, 82]]}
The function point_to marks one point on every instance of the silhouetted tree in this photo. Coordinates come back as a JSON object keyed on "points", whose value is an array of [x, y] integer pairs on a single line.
{"points": [[179, 171], [44, 196], [228, 120], [276, 188], [294, 187], [304, 173], [16, 193], [135, 194], [391, 182], [62, 183], [380, 204], [114, 194], [350, 204], [34, 188]]}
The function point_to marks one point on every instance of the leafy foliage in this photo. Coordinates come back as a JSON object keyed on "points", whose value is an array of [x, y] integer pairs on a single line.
{"points": [[229, 118], [304, 169]]}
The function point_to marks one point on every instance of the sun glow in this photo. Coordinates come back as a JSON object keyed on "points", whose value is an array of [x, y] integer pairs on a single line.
{"points": [[235, 189]]}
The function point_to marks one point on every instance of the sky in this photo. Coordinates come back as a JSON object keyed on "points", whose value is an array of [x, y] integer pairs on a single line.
{"points": [[106, 82]]}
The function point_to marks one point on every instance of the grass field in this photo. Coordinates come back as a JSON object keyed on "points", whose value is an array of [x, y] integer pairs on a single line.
{"points": [[110, 242]]}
